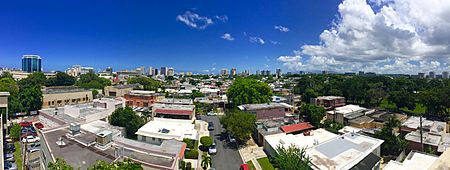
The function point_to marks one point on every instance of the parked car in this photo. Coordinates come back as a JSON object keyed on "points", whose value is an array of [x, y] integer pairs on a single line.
{"points": [[39, 125], [231, 139], [30, 139], [244, 167], [211, 114], [9, 157], [210, 126], [198, 117], [212, 149], [8, 147], [25, 124], [10, 165]]}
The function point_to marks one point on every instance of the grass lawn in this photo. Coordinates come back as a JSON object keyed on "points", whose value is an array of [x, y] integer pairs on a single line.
{"points": [[265, 164], [251, 166], [18, 155]]}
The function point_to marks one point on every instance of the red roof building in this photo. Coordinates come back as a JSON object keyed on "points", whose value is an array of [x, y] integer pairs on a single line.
{"points": [[297, 128]]}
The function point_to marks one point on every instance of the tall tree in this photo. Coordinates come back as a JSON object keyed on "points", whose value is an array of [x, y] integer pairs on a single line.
{"points": [[249, 91], [292, 158], [31, 98], [393, 144], [314, 114], [239, 124], [118, 165], [126, 117]]}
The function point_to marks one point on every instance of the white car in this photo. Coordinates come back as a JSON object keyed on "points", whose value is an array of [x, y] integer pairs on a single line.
{"points": [[212, 149], [211, 114], [30, 139]]}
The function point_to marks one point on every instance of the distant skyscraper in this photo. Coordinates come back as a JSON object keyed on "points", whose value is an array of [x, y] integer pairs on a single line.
{"points": [[170, 71], [163, 71], [141, 70], [109, 70], [150, 71], [31, 63], [224, 72], [445, 74], [421, 75], [246, 72], [361, 73], [432, 74], [258, 73], [155, 72], [233, 72], [279, 72]]}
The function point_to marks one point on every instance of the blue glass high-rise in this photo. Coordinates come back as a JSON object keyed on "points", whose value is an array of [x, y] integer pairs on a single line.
{"points": [[31, 63]]}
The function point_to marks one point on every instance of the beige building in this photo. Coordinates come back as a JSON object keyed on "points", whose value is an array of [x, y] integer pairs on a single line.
{"points": [[64, 95], [119, 90]]}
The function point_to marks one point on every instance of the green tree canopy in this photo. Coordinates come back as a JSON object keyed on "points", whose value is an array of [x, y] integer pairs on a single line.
{"points": [[314, 114], [206, 141], [148, 83], [61, 79], [292, 158], [249, 91], [126, 117], [239, 124], [393, 145], [118, 165], [15, 131], [92, 81], [59, 164]]}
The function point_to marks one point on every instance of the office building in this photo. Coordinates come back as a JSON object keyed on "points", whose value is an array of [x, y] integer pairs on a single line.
{"points": [[141, 98], [64, 95], [278, 72], [140, 70], [224, 72], [170, 72], [445, 74], [119, 90], [432, 75], [421, 75], [108, 70], [163, 71], [233, 72], [31, 63], [77, 70]]}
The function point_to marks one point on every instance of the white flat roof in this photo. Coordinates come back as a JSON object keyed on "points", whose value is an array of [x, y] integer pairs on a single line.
{"points": [[342, 152], [347, 109], [163, 128], [299, 140], [418, 161]]}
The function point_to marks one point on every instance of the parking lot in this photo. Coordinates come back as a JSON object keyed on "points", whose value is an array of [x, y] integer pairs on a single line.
{"points": [[227, 157]]}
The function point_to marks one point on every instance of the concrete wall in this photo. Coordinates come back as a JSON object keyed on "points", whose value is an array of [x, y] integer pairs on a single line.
{"points": [[118, 92]]}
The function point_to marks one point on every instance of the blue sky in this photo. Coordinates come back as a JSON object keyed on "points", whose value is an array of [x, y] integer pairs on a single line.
{"points": [[383, 36], [125, 34]]}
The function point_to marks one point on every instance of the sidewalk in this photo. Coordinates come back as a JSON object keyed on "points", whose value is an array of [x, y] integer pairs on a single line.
{"points": [[251, 153]]}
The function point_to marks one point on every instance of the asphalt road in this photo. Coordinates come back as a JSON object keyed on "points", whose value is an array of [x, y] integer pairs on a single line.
{"points": [[227, 157]]}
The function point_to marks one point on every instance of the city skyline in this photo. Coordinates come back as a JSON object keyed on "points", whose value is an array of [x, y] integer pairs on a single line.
{"points": [[205, 37]]}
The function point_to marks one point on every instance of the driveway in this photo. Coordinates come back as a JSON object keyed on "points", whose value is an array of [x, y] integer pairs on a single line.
{"points": [[227, 157]]}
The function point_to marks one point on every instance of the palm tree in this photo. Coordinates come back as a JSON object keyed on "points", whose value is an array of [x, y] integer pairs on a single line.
{"points": [[206, 162]]}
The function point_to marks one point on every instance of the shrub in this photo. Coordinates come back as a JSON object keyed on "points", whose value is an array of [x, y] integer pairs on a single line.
{"points": [[192, 154], [206, 141]]}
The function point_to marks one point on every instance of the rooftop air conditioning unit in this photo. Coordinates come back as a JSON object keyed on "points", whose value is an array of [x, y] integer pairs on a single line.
{"points": [[104, 138], [74, 128]]}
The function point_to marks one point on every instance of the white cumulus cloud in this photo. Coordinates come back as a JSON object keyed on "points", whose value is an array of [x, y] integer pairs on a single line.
{"points": [[385, 36], [281, 28], [227, 36], [258, 40]]}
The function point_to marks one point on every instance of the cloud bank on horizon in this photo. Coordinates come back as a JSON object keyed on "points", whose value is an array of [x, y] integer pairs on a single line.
{"points": [[383, 36]]}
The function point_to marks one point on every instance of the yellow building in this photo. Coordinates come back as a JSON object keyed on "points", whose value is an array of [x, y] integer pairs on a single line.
{"points": [[64, 95]]}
